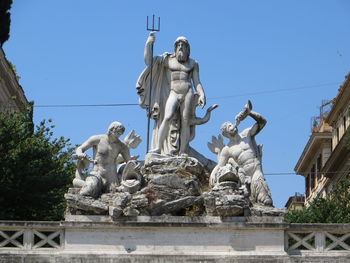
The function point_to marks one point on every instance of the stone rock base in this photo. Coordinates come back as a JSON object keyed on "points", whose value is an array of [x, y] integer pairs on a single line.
{"points": [[172, 185], [261, 210], [112, 204], [225, 201]]}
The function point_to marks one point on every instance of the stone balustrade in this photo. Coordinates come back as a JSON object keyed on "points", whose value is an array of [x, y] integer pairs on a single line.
{"points": [[317, 238], [172, 239], [31, 235]]}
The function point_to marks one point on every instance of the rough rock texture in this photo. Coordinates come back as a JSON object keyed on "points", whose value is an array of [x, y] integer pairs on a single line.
{"points": [[113, 204], [225, 201], [172, 178], [177, 205], [163, 164], [260, 210], [79, 204], [172, 185]]}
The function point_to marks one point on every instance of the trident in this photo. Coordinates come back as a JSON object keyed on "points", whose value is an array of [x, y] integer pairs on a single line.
{"points": [[150, 80]]}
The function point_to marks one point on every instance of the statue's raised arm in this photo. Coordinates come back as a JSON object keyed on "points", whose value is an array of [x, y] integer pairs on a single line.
{"points": [[148, 53], [260, 120]]}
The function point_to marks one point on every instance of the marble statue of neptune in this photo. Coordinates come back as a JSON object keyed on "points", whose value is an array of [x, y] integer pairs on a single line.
{"points": [[176, 91]]}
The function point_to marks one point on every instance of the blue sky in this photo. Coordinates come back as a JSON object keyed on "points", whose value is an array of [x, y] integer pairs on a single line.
{"points": [[285, 56]]}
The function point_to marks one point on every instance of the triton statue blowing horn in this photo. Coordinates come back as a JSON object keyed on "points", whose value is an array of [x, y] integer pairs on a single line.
{"points": [[244, 155]]}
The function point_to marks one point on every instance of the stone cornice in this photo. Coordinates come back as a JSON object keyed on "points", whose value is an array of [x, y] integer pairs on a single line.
{"points": [[314, 143]]}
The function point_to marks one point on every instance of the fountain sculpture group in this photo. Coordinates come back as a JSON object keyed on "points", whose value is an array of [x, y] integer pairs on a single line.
{"points": [[174, 179]]}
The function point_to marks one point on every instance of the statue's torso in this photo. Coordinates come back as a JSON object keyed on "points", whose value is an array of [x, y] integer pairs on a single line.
{"points": [[180, 75], [243, 152], [105, 157]]}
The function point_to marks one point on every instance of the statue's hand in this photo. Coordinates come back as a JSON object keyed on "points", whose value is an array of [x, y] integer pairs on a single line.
{"points": [[240, 117], [244, 114], [81, 156], [201, 100], [83, 160], [151, 37]]}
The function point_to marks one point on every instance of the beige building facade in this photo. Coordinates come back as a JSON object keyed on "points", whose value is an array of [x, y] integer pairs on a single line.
{"points": [[325, 159], [295, 202]]}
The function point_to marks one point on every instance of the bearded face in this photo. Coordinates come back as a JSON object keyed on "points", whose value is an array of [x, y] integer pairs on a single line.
{"points": [[182, 52]]}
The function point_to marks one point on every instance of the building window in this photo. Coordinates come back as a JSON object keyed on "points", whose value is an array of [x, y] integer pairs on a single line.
{"points": [[318, 167], [337, 134], [344, 123], [312, 177], [332, 145], [307, 185]]}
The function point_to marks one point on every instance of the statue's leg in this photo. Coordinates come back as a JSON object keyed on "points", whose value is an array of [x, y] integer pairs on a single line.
{"points": [[79, 179], [110, 181], [213, 175], [245, 182], [92, 186], [78, 183], [186, 108], [170, 109], [259, 188]]}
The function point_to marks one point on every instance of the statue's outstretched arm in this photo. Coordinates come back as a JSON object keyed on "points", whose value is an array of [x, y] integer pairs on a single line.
{"points": [[93, 140], [260, 123], [260, 120]]}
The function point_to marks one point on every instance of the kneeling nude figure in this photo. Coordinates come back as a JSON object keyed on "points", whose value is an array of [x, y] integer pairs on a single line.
{"points": [[245, 154], [106, 148]]}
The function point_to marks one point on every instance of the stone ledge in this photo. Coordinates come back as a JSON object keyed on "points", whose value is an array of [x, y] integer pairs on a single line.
{"points": [[132, 258], [212, 222], [177, 219], [171, 221]]}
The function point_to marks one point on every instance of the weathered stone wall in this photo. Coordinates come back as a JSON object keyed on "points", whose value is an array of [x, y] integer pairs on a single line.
{"points": [[12, 96], [87, 239]]}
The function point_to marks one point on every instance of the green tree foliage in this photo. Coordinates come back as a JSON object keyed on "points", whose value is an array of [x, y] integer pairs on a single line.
{"points": [[5, 20], [333, 209], [35, 169]]}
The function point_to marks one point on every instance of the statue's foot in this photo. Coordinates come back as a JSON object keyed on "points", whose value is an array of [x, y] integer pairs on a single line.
{"points": [[183, 154], [156, 150]]}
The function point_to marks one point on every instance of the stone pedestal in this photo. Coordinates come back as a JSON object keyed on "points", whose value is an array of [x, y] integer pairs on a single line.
{"points": [[173, 183], [168, 239], [225, 201], [170, 185]]}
